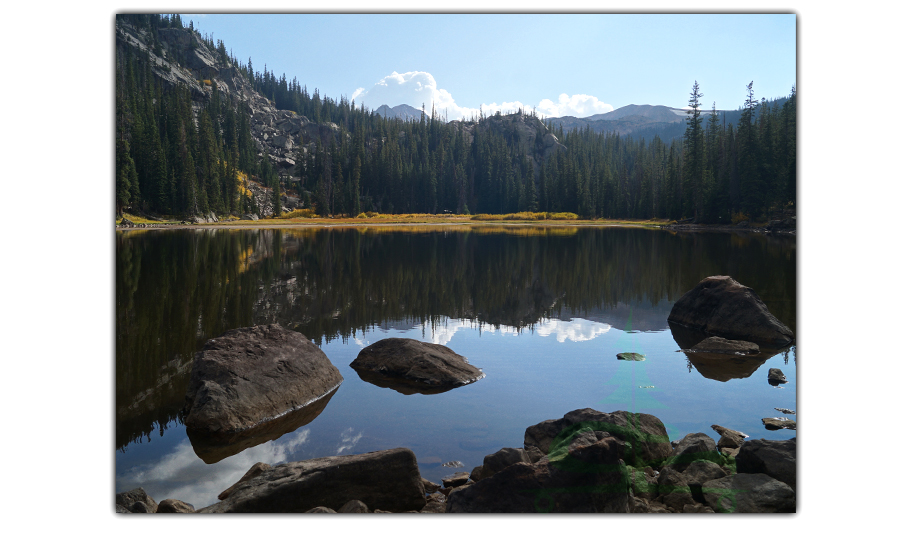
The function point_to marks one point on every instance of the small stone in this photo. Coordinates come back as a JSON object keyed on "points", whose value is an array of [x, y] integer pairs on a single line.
{"points": [[631, 357], [455, 479], [354, 507], [174, 506], [779, 423], [320, 510], [776, 377]]}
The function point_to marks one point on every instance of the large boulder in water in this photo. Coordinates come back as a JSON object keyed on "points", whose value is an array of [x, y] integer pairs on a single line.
{"points": [[411, 366], [249, 377], [720, 306], [385, 480]]}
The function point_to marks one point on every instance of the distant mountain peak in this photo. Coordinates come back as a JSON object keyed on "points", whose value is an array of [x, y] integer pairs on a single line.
{"points": [[403, 112]]}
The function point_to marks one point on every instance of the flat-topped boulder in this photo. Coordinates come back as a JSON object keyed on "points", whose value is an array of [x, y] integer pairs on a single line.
{"points": [[720, 306], [411, 366], [248, 377], [387, 480]]}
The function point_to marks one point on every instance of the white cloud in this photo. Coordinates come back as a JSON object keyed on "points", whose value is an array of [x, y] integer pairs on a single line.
{"points": [[348, 440], [574, 330], [415, 88], [579, 106]]}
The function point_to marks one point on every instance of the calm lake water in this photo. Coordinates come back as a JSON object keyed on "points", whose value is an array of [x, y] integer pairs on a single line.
{"points": [[543, 311]]}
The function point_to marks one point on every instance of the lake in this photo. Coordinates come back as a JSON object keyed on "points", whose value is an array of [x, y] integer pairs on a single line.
{"points": [[543, 311]]}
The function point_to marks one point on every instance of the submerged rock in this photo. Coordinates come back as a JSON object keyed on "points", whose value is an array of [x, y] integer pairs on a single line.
{"points": [[631, 356], [785, 411], [718, 345], [255, 384], [411, 366], [720, 306], [386, 480]]}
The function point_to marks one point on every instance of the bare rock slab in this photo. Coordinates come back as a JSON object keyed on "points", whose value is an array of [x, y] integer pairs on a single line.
{"points": [[411, 366], [720, 306], [386, 480], [250, 376]]}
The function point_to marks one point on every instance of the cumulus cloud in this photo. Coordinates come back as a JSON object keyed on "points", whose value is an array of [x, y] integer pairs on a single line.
{"points": [[579, 106], [415, 88]]}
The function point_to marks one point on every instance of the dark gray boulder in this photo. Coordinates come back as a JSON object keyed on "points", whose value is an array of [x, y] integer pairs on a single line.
{"points": [[700, 472], [583, 476], [749, 493], [673, 489], [320, 510], [136, 501], [693, 447], [729, 437], [502, 459], [354, 507], [776, 377], [777, 459], [250, 376], [455, 479], [720, 306], [126, 223], [386, 480], [411, 366], [643, 436], [174, 506]]}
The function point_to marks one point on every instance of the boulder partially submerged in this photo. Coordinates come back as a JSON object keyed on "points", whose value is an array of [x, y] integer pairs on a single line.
{"points": [[411, 366], [720, 306], [384, 480], [248, 377]]}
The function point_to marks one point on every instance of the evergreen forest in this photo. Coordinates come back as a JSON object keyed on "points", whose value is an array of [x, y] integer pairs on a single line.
{"points": [[177, 155]]}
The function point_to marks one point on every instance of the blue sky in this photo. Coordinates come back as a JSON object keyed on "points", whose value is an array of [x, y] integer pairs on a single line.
{"points": [[557, 63]]}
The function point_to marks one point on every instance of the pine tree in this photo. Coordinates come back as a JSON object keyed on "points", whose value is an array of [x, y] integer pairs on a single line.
{"points": [[694, 163]]}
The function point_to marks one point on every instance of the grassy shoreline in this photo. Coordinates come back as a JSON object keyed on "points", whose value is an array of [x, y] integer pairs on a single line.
{"points": [[400, 219]]}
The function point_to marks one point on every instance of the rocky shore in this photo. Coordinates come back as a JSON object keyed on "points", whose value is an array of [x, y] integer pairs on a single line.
{"points": [[254, 384], [586, 462]]}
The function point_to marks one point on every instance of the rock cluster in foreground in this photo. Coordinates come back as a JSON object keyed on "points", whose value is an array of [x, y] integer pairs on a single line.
{"points": [[586, 462]]}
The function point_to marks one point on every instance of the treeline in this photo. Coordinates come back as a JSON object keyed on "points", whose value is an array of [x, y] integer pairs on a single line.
{"points": [[175, 159]]}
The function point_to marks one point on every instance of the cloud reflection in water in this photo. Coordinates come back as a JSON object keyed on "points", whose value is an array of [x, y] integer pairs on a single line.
{"points": [[182, 475]]}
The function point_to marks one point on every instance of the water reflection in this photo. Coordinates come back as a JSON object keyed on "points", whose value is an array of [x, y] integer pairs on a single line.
{"points": [[182, 475], [214, 449], [720, 367], [177, 289]]}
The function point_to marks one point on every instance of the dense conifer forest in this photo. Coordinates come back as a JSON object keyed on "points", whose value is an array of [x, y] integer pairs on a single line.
{"points": [[180, 157]]}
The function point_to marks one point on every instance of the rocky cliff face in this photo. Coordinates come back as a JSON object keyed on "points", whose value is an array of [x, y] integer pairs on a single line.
{"points": [[284, 136]]}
